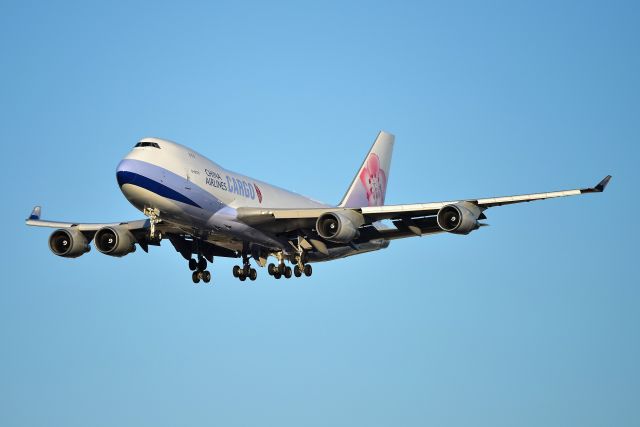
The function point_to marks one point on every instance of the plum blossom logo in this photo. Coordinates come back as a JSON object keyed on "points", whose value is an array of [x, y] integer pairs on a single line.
{"points": [[374, 180]]}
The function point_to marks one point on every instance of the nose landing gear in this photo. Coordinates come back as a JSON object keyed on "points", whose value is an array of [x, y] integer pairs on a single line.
{"points": [[154, 218]]}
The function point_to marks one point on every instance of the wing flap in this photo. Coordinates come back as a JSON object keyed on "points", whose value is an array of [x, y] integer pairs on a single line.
{"points": [[506, 200], [256, 216]]}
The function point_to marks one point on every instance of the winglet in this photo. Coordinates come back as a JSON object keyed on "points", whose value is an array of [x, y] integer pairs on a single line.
{"points": [[35, 213], [599, 188], [602, 184]]}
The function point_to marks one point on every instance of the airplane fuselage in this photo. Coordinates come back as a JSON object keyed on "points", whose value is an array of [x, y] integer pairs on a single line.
{"points": [[193, 192]]}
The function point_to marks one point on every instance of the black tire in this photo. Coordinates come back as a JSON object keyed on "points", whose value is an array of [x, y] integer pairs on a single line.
{"points": [[202, 264], [206, 276], [236, 271], [242, 278], [195, 277], [281, 268], [287, 272], [253, 274], [271, 269], [193, 264], [308, 271], [246, 269], [277, 275], [297, 271]]}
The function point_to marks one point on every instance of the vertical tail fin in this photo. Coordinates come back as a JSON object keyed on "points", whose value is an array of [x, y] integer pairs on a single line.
{"points": [[370, 183]]}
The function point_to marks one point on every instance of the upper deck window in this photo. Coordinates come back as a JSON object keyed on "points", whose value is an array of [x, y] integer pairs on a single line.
{"points": [[147, 144]]}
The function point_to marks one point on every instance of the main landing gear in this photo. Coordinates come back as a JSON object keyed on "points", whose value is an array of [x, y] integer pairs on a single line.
{"points": [[297, 268], [285, 271], [199, 269], [278, 271], [246, 271]]}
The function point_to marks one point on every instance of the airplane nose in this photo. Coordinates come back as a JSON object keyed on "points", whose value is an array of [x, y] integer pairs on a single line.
{"points": [[128, 173], [124, 175]]}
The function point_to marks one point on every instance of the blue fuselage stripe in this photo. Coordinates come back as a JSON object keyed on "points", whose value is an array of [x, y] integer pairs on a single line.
{"points": [[126, 177]]}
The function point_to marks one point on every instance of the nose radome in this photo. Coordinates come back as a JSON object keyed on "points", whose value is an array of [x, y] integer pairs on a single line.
{"points": [[124, 174]]}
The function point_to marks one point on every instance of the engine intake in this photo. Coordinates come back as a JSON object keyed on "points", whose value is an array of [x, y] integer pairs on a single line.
{"points": [[68, 243], [459, 218], [340, 227], [115, 241]]}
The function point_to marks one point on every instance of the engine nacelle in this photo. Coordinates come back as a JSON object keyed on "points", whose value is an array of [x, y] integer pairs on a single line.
{"points": [[68, 243], [115, 241], [459, 218], [340, 227]]}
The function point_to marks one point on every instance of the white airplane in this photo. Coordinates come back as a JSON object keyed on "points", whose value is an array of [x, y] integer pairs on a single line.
{"points": [[206, 211]]}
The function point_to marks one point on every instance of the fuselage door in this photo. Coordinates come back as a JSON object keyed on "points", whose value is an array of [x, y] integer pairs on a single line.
{"points": [[187, 173], [188, 170]]}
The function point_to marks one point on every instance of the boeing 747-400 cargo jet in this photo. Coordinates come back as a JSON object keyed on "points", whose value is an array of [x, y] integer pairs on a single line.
{"points": [[205, 210]]}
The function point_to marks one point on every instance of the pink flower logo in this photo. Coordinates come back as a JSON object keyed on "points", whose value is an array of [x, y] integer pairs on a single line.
{"points": [[374, 180]]}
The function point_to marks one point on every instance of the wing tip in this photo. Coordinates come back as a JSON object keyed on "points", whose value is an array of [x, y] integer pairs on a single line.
{"points": [[35, 213], [602, 185]]}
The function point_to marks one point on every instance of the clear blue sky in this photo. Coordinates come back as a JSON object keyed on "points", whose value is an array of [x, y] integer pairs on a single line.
{"points": [[532, 321]]}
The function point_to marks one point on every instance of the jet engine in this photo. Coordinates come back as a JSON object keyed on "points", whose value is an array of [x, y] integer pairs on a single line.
{"points": [[459, 218], [68, 243], [340, 227], [115, 241]]}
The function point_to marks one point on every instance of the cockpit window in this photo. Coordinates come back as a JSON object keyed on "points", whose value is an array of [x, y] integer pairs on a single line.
{"points": [[147, 144]]}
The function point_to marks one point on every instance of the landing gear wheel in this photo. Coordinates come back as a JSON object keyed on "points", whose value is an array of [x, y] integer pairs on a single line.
{"points": [[281, 268], [287, 272], [246, 270], [236, 271], [193, 264], [308, 270], [202, 264], [277, 275], [206, 276], [242, 278], [271, 269], [297, 271], [195, 277], [253, 274]]}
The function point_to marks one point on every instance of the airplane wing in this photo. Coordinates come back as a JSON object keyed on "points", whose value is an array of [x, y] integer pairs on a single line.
{"points": [[35, 221], [409, 219], [140, 229], [425, 209]]}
